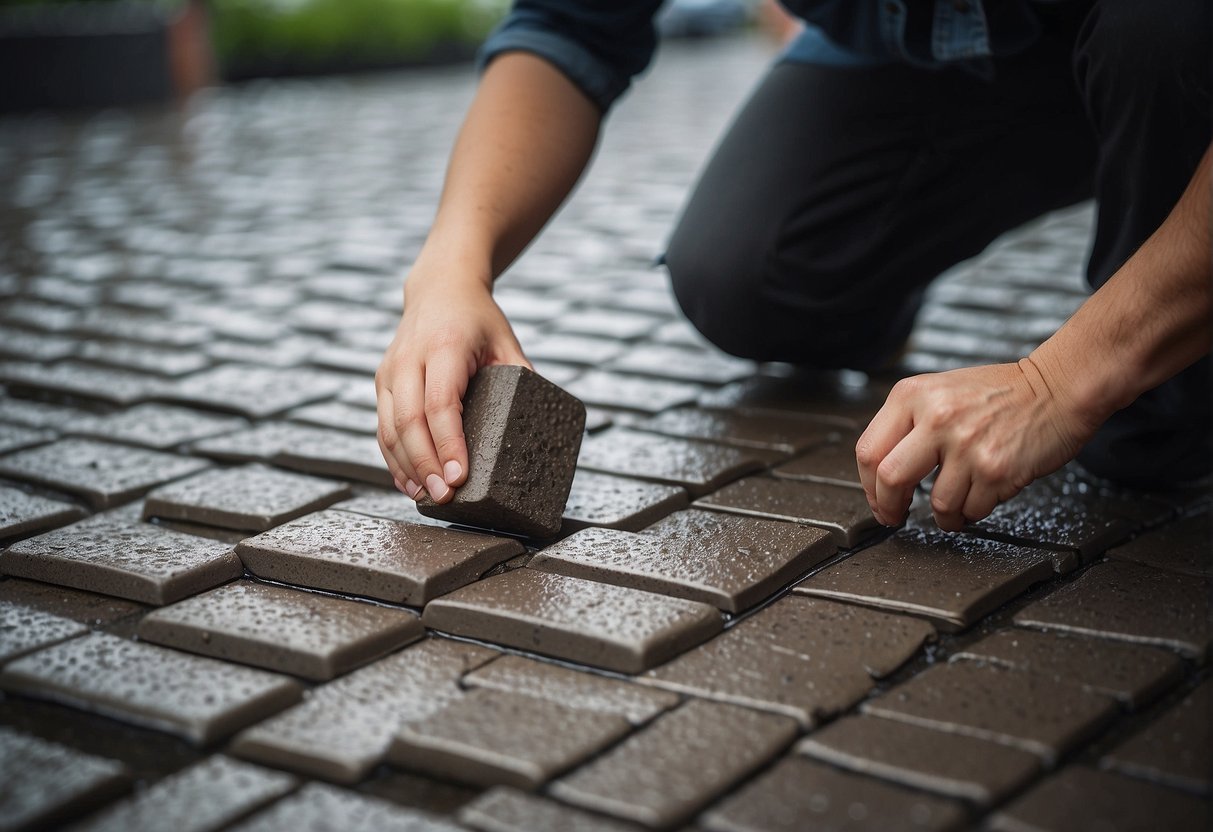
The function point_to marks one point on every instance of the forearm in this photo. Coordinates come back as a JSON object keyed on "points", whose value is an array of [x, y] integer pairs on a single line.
{"points": [[1148, 322], [526, 139]]}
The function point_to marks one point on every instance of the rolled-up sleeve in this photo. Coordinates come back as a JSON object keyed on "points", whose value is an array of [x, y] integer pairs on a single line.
{"points": [[598, 44]]}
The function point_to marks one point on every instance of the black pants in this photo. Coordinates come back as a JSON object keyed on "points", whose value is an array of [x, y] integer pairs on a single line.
{"points": [[839, 193]]}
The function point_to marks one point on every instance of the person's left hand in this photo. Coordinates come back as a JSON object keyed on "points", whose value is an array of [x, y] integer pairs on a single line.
{"points": [[991, 430]]}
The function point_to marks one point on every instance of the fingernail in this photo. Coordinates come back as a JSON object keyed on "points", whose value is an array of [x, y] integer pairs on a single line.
{"points": [[436, 487], [451, 472], [412, 489]]}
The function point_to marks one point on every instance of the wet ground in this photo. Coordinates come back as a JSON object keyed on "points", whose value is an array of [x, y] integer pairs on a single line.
{"points": [[215, 612]]}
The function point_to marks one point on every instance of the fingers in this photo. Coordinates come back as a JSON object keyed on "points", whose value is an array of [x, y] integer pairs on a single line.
{"points": [[884, 432], [389, 445], [446, 380], [949, 494], [899, 473], [415, 439]]}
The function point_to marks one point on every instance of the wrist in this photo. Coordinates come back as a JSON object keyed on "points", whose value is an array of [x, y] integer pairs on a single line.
{"points": [[1086, 389], [449, 272]]}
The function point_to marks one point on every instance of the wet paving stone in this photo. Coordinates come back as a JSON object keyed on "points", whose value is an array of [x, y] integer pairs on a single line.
{"points": [[1131, 674], [732, 563], [817, 394], [614, 502], [608, 324], [682, 364], [798, 794], [665, 773], [14, 438], [143, 358], [336, 453], [699, 467], [285, 630], [607, 389], [954, 580], [255, 391], [137, 561], [1128, 602], [22, 513], [1181, 546], [1082, 798], [832, 463], [952, 765], [198, 699], [843, 512], [390, 560], [1035, 713], [503, 809], [787, 433], [45, 784], [1173, 749], [571, 688], [390, 505], [262, 442], [491, 738], [36, 414], [574, 349], [610, 627], [34, 346], [344, 728], [804, 657], [24, 630], [103, 473], [338, 415], [85, 607], [87, 381], [323, 808], [155, 426], [204, 798], [522, 434], [250, 498]]}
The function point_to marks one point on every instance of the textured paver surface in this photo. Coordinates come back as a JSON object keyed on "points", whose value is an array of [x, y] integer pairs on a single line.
{"points": [[215, 612]]}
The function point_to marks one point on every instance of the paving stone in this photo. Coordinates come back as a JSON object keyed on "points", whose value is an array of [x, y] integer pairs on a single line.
{"points": [[199, 699], [618, 502], [503, 809], [22, 513], [490, 738], [261, 442], [103, 473], [615, 628], [34, 346], [301, 633], [344, 728], [87, 381], [598, 418], [665, 773], [732, 563], [523, 434], [155, 426], [251, 497], [952, 579], [608, 324], [558, 374], [23, 630], [832, 463], [14, 438], [648, 395], [110, 323], [803, 657], [390, 505], [255, 391], [950, 764], [574, 349], [699, 467], [1131, 674], [1128, 602], [144, 358], [1044, 716], [404, 563], [337, 415], [203, 798], [843, 512], [84, 607], [797, 794], [1182, 546], [683, 364], [321, 808], [37, 414], [137, 561], [530, 307], [1081, 798], [819, 394], [571, 688], [336, 453], [785, 432], [43, 784], [1174, 749]]}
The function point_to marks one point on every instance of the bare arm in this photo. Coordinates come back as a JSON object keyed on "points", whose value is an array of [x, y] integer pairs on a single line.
{"points": [[992, 430], [525, 141]]}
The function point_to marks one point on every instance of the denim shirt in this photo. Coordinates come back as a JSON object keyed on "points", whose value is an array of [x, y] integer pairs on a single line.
{"points": [[602, 44]]}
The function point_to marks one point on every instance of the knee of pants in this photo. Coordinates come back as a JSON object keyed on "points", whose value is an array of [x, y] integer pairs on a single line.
{"points": [[1159, 46]]}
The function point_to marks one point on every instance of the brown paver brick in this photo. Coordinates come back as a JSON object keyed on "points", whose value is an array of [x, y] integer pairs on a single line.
{"points": [[85, 607], [503, 809], [137, 561], [832, 463], [491, 738], [24, 630], [804, 657], [611, 627], [665, 773], [952, 579], [1131, 674], [842, 511], [1174, 749], [103, 473], [798, 794], [390, 505], [952, 765], [325, 808], [1045, 716], [699, 467], [372, 556], [648, 395], [682, 364], [1082, 798], [786, 432], [339, 415], [260, 443], [73, 378], [199, 699], [158, 426], [272, 627], [22, 513], [336, 453], [819, 394], [1184, 546], [618, 502], [1128, 602], [250, 497], [255, 391]]}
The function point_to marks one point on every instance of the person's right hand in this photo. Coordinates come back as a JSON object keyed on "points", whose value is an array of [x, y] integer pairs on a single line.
{"points": [[448, 331]]}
